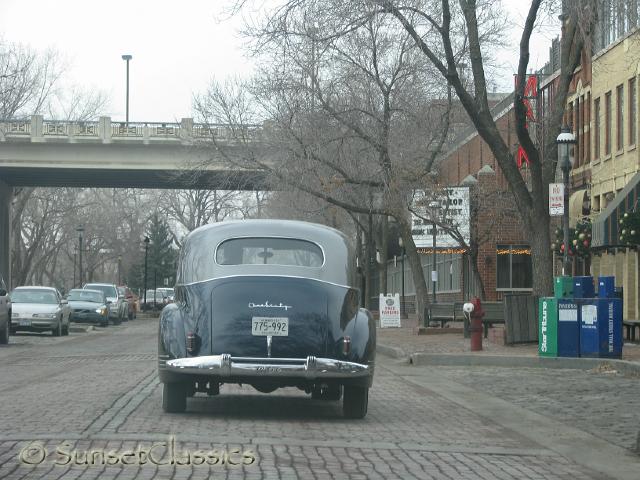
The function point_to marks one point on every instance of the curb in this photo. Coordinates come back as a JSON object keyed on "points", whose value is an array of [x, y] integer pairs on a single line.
{"points": [[393, 352], [456, 360], [80, 328]]}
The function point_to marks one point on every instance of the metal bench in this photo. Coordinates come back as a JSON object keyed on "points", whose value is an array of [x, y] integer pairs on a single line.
{"points": [[630, 329], [441, 312], [493, 314]]}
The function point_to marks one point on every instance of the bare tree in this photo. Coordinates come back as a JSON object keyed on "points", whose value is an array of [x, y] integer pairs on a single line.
{"points": [[350, 120], [448, 35]]}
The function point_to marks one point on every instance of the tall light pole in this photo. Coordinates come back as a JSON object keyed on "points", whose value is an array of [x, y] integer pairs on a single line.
{"points": [[146, 251], [402, 307], [126, 58], [433, 206], [119, 269], [75, 254], [80, 230], [565, 140]]}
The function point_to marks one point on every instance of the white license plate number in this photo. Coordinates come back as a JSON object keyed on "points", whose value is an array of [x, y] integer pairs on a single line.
{"points": [[25, 323], [270, 326]]}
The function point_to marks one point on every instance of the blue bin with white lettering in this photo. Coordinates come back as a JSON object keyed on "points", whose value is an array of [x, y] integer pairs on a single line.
{"points": [[601, 328], [583, 287], [568, 327], [606, 287]]}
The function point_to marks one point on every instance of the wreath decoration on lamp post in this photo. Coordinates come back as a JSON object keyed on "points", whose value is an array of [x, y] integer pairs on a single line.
{"points": [[579, 240], [629, 228]]}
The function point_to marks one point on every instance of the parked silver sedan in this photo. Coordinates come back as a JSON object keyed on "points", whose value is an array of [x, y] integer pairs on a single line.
{"points": [[37, 309]]}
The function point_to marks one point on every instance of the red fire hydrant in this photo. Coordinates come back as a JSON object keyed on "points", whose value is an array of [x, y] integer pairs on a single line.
{"points": [[476, 315]]}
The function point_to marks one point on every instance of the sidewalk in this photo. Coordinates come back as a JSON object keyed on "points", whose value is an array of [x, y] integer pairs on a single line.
{"points": [[403, 342]]}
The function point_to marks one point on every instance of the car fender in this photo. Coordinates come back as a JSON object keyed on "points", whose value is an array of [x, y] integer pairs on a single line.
{"points": [[172, 336]]}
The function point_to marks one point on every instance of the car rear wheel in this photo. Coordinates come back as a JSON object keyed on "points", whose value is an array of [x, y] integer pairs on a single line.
{"points": [[4, 334], [174, 397], [355, 402], [65, 330]]}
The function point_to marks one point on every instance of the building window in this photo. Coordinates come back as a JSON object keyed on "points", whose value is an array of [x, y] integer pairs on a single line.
{"points": [[633, 112], [587, 126], [514, 270], [620, 117], [596, 128], [607, 123]]}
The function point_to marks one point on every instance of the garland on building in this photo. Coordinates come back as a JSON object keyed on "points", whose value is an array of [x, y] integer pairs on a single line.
{"points": [[579, 240], [629, 228]]}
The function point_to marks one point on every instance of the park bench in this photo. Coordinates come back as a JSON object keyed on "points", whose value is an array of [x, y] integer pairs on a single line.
{"points": [[630, 327], [493, 314], [441, 312]]}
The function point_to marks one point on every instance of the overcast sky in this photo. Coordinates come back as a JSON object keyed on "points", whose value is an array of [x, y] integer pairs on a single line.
{"points": [[177, 48]]}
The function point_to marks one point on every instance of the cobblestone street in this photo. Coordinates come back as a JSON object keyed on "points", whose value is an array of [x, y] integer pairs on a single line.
{"points": [[84, 406]]}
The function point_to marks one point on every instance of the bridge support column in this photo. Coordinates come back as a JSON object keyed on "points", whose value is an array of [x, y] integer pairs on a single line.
{"points": [[6, 196]]}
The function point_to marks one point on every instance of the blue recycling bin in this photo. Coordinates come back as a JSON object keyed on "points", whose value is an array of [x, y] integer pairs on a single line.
{"points": [[606, 287], [568, 327], [601, 328], [583, 287]]}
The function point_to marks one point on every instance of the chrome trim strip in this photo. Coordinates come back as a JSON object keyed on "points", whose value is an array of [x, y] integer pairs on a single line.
{"points": [[264, 275], [226, 366]]}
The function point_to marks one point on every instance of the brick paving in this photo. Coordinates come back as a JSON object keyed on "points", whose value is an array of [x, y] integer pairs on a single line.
{"points": [[90, 394]]}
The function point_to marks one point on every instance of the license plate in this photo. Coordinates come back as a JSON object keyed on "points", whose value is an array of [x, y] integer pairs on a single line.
{"points": [[25, 323], [270, 326]]}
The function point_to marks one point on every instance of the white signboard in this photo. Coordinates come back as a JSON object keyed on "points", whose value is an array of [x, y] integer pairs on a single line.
{"points": [[389, 310], [556, 199], [450, 208]]}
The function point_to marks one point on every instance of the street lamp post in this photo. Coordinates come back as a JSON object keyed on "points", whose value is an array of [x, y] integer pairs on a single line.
{"points": [[75, 254], [402, 303], [119, 269], [80, 230], [434, 271], [565, 140], [146, 251], [126, 58]]}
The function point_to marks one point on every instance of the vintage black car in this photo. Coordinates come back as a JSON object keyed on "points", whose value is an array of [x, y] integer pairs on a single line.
{"points": [[268, 303]]}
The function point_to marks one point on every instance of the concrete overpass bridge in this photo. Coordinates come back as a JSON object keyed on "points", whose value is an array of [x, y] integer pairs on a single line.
{"points": [[49, 153]]}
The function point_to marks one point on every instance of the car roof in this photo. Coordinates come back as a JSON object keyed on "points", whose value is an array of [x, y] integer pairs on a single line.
{"points": [[35, 287], [95, 283], [197, 262], [86, 290]]}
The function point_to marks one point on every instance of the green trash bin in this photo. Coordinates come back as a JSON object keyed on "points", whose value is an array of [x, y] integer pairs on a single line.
{"points": [[563, 287], [548, 327]]}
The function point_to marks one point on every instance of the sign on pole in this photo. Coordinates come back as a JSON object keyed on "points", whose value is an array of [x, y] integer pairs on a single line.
{"points": [[556, 199], [389, 310]]}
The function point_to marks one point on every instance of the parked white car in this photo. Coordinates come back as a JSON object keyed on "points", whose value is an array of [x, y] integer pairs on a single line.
{"points": [[37, 309]]}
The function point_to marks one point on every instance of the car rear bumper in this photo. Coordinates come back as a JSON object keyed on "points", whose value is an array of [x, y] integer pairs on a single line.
{"points": [[305, 368]]}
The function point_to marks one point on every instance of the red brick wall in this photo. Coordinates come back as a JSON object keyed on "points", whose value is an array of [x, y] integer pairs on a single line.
{"points": [[498, 213]]}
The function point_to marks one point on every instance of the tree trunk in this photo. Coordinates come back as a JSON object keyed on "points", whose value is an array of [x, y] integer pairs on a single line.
{"points": [[383, 247], [541, 254], [422, 294]]}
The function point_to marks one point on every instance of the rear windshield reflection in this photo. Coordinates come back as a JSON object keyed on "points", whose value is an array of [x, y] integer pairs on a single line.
{"points": [[269, 251]]}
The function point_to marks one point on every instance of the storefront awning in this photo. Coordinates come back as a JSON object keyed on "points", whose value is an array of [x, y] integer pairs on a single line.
{"points": [[605, 226], [578, 206]]}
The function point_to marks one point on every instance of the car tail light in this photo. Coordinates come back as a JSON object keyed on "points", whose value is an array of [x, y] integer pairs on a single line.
{"points": [[193, 343], [346, 345]]}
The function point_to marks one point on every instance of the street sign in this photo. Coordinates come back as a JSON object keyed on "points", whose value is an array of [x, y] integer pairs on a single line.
{"points": [[556, 199], [389, 310]]}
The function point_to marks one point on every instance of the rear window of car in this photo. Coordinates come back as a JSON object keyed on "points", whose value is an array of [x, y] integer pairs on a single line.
{"points": [[269, 251]]}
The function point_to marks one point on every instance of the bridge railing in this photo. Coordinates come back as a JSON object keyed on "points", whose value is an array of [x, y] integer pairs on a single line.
{"points": [[107, 131]]}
